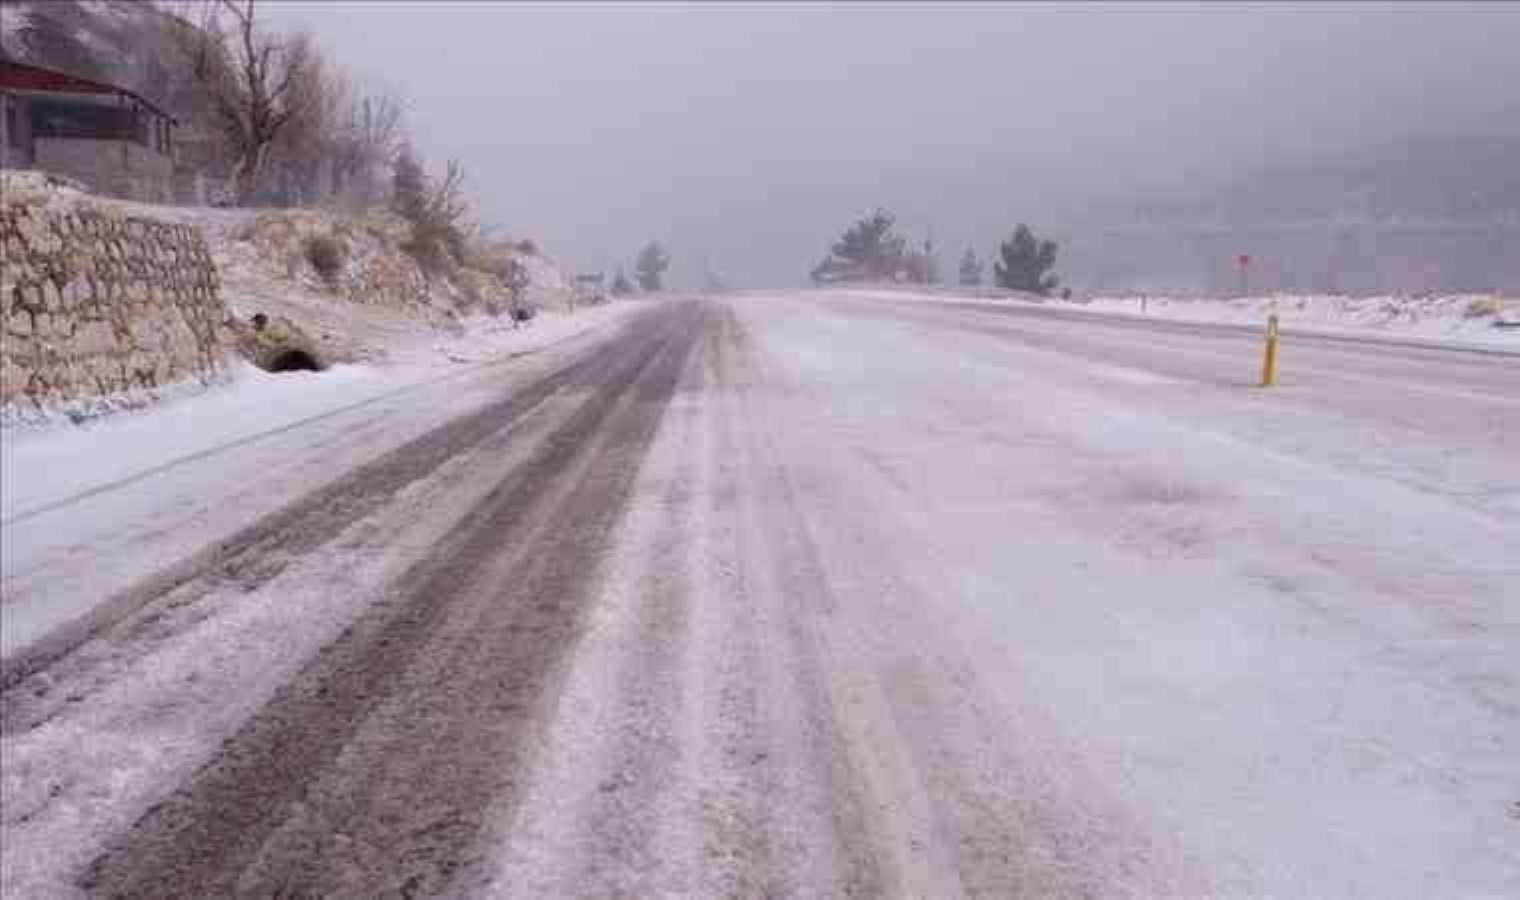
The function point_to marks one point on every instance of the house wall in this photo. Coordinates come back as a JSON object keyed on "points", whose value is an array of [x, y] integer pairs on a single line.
{"points": [[117, 168], [15, 146]]}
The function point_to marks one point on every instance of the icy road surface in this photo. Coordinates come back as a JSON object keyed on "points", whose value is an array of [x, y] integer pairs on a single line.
{"points": [[799, 595]]}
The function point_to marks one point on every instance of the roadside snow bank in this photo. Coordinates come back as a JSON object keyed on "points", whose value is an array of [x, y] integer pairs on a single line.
{"points": [[55, 458], [1469, 318], [372, 296], [1473, 319], [137, 492]]}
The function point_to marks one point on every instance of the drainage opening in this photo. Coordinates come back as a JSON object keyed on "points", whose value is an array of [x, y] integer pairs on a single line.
{"points": [[293, 361]]}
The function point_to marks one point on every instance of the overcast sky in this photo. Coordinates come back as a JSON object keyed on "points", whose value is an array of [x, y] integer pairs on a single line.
{"points": [[750, 134]]}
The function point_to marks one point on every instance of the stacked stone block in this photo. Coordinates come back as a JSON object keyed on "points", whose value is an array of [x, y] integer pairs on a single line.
{"points": [[94, 303]]}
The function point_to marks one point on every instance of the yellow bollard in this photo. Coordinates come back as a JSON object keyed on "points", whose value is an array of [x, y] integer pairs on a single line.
{"points": [[1269, 355]]}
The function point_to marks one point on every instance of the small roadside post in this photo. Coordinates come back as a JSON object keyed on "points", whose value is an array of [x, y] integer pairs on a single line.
{"points": [[1269, 354], [517, 286]]}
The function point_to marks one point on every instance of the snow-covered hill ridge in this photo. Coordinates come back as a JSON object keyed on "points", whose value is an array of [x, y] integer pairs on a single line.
{"points": [[1468, 318], [1490, 320]]}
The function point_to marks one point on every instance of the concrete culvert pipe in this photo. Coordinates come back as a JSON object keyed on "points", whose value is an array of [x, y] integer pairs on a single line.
{"points": [[278, 345], [292, 359]]}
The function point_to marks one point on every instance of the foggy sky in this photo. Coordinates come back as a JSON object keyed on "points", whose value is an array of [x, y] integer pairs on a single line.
{"points": [[750, 134]]}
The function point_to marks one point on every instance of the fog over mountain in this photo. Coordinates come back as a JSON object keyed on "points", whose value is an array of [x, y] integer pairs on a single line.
{"points": [[748, 134]]}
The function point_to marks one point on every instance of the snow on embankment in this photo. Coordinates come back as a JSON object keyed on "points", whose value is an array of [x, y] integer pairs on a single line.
{"points": [[349, 284], [110, 304]]}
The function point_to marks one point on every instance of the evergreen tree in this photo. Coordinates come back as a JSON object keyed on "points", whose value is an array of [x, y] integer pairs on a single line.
{"points": [[1025, 262], [409, 190], [651, 266], [869, 249], [435, 209], [621, 284], [971, 269]]}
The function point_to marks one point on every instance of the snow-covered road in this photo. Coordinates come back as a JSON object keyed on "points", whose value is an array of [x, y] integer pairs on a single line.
{"points": [[813, 595]]}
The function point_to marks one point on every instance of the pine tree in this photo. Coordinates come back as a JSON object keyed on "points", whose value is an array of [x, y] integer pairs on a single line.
{"points": [[435, 209], [971, 269], [1025, 262], [409, 188], [651, 266], [869, 249]]}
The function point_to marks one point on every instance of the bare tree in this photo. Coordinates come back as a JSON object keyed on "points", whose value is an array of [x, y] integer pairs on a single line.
{"points": [[259, 82], [448, 211], [300, 155], [367, 137], [436, 210]]}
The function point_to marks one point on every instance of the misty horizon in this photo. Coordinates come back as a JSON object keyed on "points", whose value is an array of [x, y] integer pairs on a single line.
{"points": [[746, 136]]}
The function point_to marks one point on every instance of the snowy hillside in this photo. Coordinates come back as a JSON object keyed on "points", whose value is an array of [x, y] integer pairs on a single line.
{"points": [[1469, 318]]}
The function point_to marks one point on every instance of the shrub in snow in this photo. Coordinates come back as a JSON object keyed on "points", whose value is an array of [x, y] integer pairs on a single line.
{"points": [[1481, 307], [327, 256], [651, 266]]}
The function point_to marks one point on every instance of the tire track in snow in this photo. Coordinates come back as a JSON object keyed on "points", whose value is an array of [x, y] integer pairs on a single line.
{"points": [[251, 556], [700, 749], [170, 465], [589, 819], [368, 774]]}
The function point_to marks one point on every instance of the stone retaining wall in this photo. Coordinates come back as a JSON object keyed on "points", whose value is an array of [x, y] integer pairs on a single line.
{"points": [[95, 303]]}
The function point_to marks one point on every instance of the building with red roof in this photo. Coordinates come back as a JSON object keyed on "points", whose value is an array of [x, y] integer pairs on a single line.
{"points": [[112, 139]]}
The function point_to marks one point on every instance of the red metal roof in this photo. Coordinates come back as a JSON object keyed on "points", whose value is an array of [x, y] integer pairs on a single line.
{"points": [[22, 77]]}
